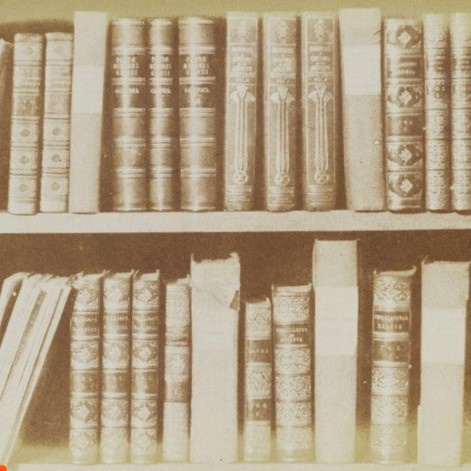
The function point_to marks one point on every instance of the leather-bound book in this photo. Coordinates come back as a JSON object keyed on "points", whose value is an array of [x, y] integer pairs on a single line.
{"points": [[280, 117], [198, 102], [360, 50], [437, 90], [6, 71], [54, 193], [404, 114], [240, 145], [321, 120], [28, 65], [163, 115]]}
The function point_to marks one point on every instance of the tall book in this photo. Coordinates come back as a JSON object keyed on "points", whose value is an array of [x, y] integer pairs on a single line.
{"points": [[460, 43], [176, 423], [391, 362], [292, 339], [28, 64], [55, 161], [162, 114], [198, 101], [445, 294], [215, 288], [321, 121], [335, 280], [85, 364], [116, 378], [280, 73], [10, 289], [404, 114], [88, 80], [242, 45], [360, 50], [129, 124], [258, 378], [145, 367], [437, 115]]}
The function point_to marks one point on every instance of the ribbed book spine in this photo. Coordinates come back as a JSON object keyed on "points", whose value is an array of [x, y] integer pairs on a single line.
{"points": [[280, 67], [404, 114], [321, 122], [392, 312], [360, 41], [54, 191], [176, 423], [198, 99], [85, 361], [258, 380], [163, 115], [437, 112], [292, 338], [116, 380], [129, 125], [145, 367], [241, 110], [460, 42], [28, 65]]}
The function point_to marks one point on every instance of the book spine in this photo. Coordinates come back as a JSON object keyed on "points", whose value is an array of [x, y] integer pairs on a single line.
{"points": [[392, 312], [280, 110], [293, 373], [198, 98], [437, 91], [85, 370], [116, 381], [258, 381], [88, 78], [129, 124], [176, 432], [28, 64], [320, 109], [163, 115], [241, 110], [360, 40], [460, 42], [54, 191], [404, 117]]}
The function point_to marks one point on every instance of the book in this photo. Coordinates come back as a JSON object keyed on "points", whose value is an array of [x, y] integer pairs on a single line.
{"points": [[88, 79], [54, 187], [335, 281], [163, 115], [437, 115], [258, 376], [292, 339], [321, 120], [28, 63], [445, 294], [85, 368], [404, 114], [10, 289], [176, 421], [215, 288], [128, 114], [242, 45], [198, 102], [360, 51], [280, 100], [391, 362], [145, 411]]}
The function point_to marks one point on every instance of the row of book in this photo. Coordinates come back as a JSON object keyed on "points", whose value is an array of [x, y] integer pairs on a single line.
{"points": [[382, 102], [157, 364]]}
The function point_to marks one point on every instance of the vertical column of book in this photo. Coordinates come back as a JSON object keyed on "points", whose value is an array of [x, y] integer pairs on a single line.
{"points": [[198, 100], [145, 367], [163, 114], [392, 312], [28, 64], [6, 63], [293, 373]]}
